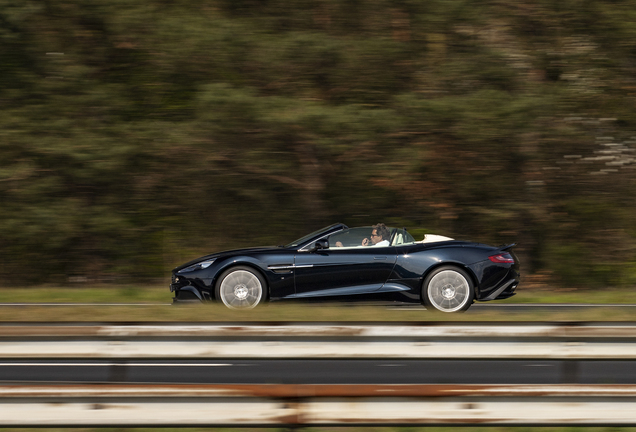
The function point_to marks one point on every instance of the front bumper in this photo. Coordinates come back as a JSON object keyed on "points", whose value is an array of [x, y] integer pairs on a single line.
{"points": [[185, 291], [176, 283]]}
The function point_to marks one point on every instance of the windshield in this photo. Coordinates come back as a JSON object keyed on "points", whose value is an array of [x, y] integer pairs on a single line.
{"points": [[317, 233]]}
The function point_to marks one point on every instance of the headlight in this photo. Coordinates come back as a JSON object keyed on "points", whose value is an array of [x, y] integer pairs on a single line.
{"points": [[198, 266]]}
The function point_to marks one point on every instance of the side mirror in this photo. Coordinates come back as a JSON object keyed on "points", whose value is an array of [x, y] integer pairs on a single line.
{"points": [[320, 244]]}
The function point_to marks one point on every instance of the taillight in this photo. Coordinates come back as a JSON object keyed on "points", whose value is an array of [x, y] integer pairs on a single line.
{"points": [[502, 258]]}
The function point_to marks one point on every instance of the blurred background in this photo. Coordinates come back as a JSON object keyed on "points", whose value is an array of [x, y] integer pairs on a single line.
{"points": [[136, 135]]}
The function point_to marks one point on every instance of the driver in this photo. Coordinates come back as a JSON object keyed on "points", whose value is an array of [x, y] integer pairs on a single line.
{"points": [[380, 236]]}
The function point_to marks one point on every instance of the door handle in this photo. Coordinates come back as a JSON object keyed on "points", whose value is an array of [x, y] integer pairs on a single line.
{"points": [[379, 258]]}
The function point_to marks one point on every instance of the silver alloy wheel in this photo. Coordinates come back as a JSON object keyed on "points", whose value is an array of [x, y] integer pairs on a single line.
{"points": [[448, 291], [241, 289]]}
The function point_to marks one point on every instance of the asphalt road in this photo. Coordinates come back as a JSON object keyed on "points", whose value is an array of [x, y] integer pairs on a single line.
{"points": [[328, 371]]}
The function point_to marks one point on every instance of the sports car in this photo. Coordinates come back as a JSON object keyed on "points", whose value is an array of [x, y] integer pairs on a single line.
{"points": [[340, 263]]}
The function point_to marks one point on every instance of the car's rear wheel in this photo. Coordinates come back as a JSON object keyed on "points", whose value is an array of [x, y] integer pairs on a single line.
{"points": [[241, 288], [448, 289]]}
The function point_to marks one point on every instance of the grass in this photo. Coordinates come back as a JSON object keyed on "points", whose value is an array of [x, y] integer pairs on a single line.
{"points": [[573, 295], [108, 304], [92, 294]]}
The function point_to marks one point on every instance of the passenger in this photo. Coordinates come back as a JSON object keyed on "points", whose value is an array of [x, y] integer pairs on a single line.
{"points": [[380, 236]]}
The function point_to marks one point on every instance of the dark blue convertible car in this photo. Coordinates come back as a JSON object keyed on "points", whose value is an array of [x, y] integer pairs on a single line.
{"points": [[341, 263]]}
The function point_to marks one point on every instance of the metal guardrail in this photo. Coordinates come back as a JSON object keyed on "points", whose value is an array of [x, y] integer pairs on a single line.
{"points": [[314, 404], [460, 341], [481, 330]]}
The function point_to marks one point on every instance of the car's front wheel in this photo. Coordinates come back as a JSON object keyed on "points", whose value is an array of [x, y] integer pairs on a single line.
{"points": [[240, 288], [448, 289]]}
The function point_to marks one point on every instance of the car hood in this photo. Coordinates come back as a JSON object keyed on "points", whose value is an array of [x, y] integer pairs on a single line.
{"points": [[229, 253]]}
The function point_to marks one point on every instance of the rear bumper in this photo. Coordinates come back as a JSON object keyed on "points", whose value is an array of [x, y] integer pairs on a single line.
{"points": [[507, 290], [505, 287]]}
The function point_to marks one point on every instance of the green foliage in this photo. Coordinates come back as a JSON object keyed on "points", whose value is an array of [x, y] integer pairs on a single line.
{"points": [[137, 135]]}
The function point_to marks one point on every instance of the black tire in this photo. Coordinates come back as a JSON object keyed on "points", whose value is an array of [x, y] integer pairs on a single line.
{"points": [[241, 287], [448, 289]]}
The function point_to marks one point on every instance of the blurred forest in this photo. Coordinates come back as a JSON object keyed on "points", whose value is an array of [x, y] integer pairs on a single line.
{"points": [[139, 134]]}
